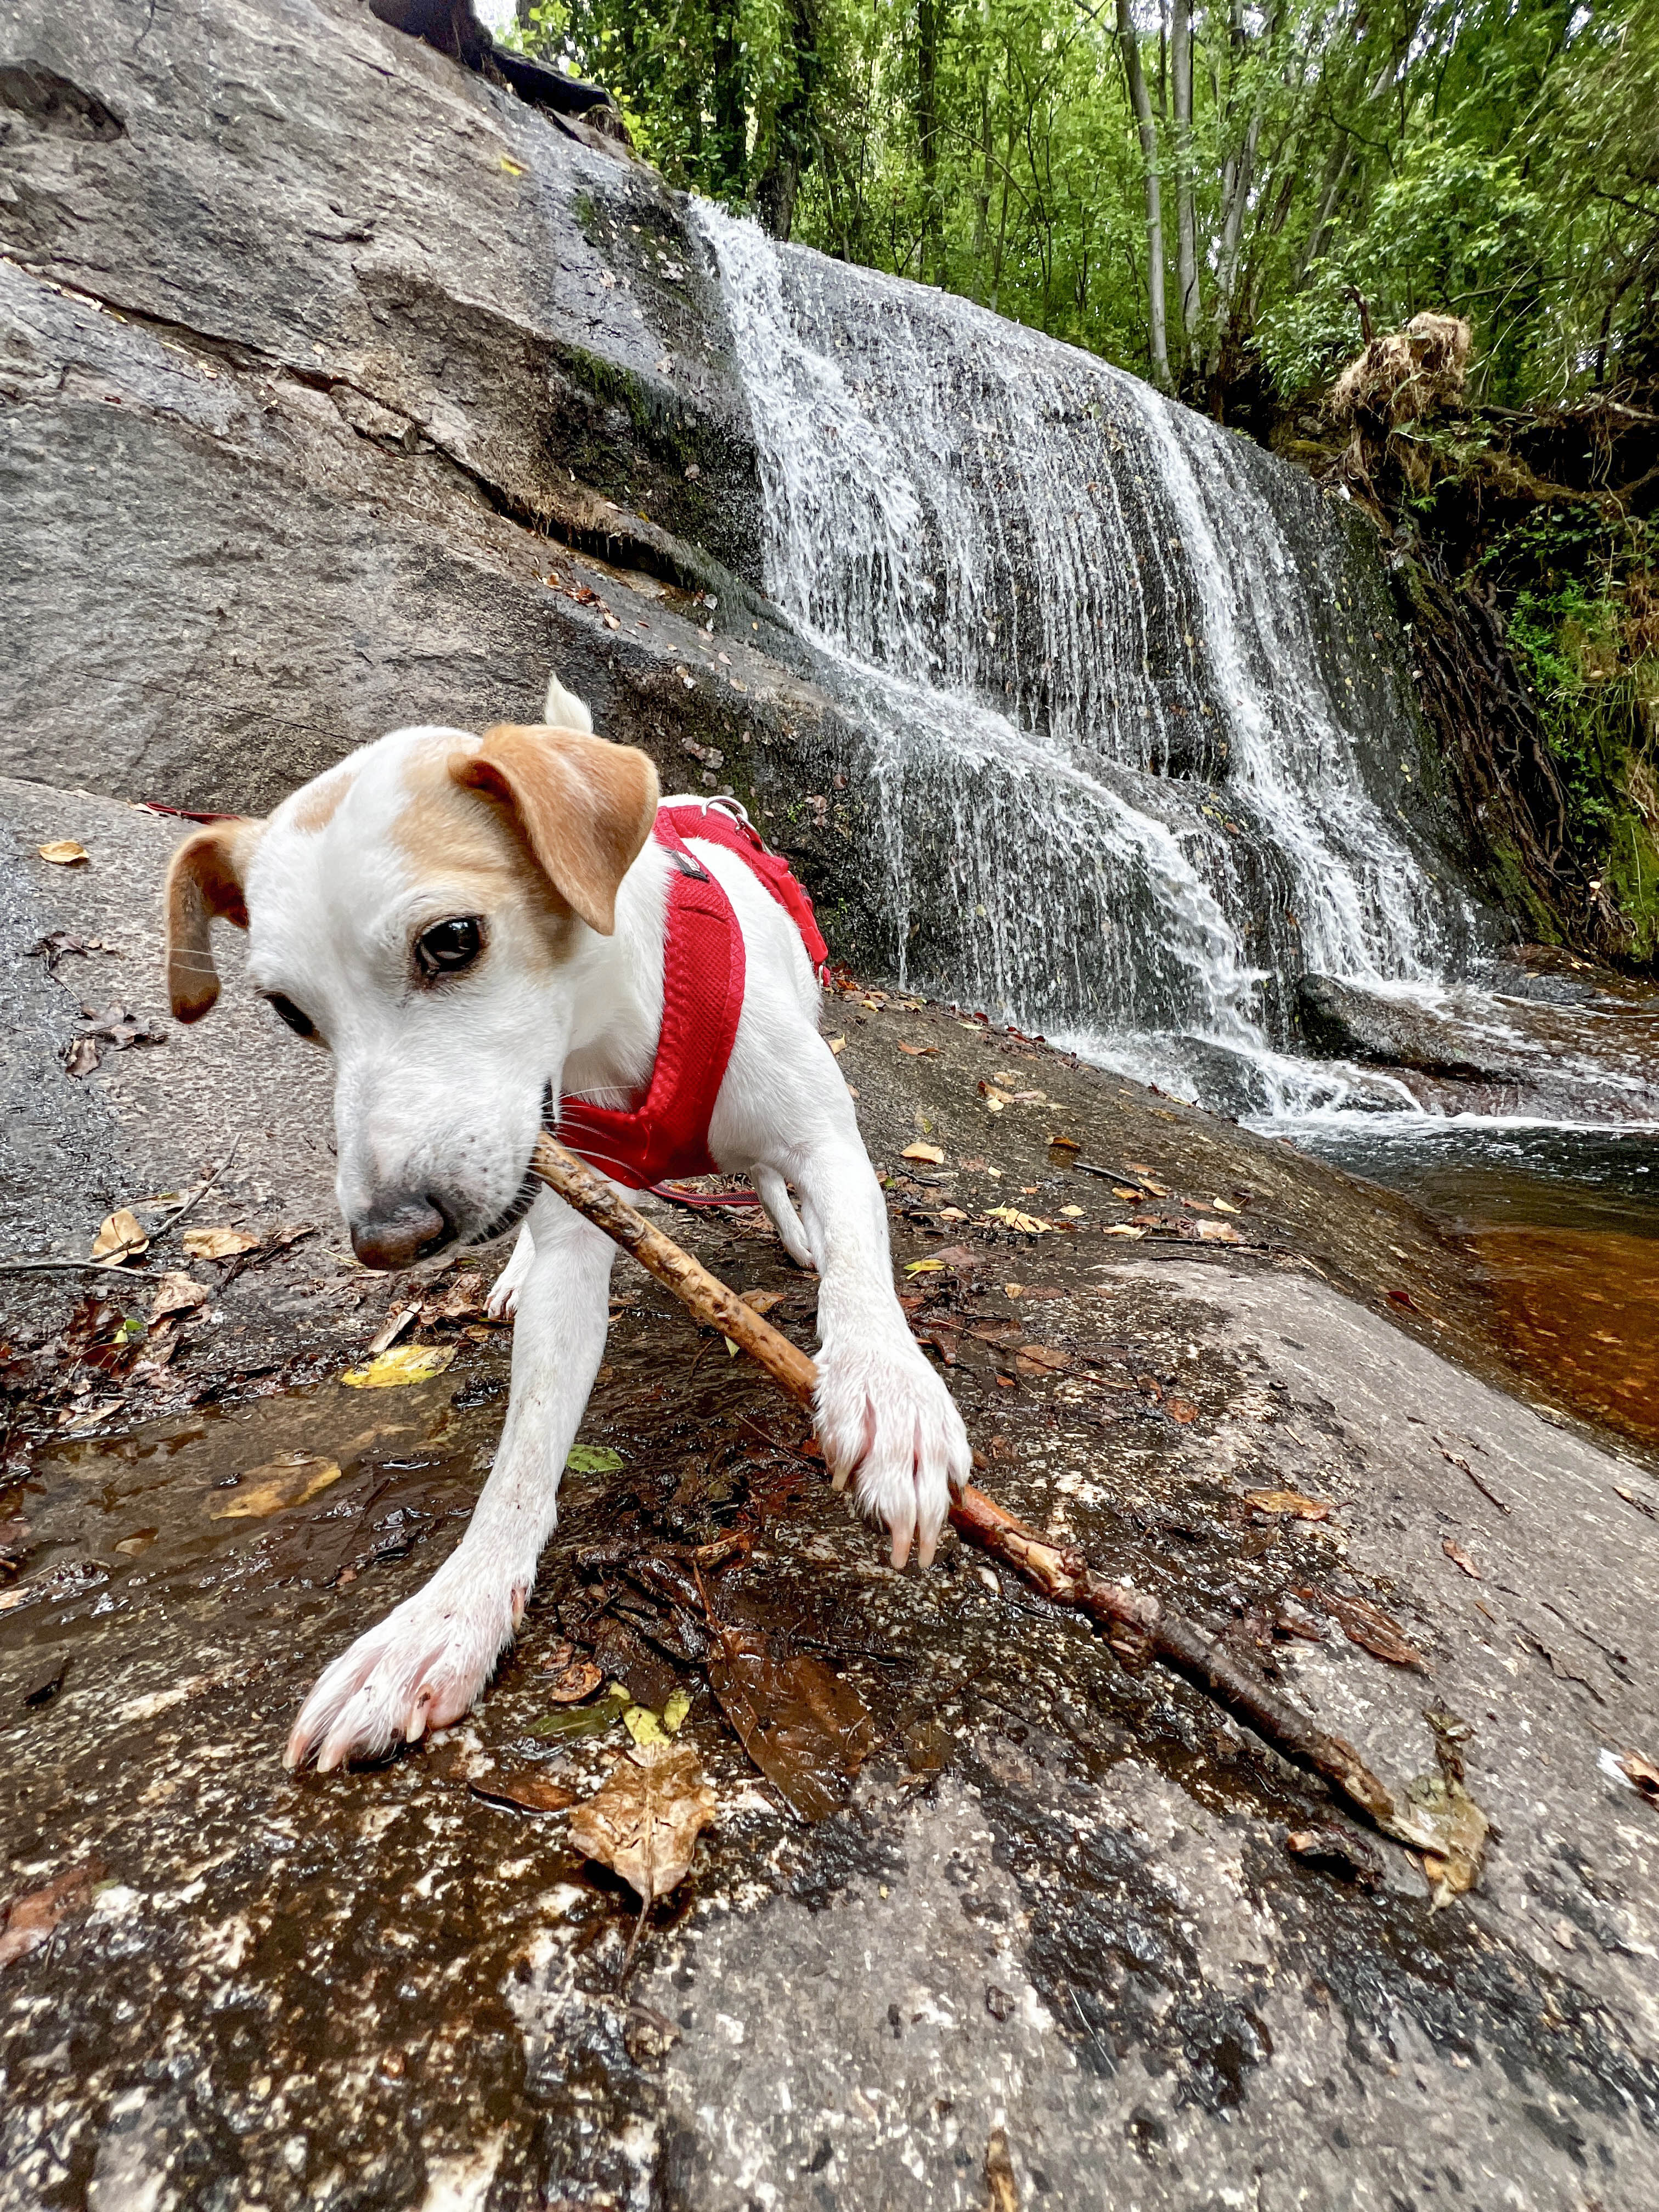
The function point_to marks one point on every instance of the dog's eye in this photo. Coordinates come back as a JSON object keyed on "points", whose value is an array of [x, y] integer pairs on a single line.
{"points": [[449, 946], [301, 1025]]}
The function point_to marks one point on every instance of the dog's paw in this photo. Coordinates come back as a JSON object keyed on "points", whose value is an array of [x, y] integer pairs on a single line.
{"points": [[888, 1425], [502, 1300], [421, 1668]]}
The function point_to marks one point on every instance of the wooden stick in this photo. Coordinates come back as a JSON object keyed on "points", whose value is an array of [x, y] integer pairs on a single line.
{"points": [[1139, 1625]]}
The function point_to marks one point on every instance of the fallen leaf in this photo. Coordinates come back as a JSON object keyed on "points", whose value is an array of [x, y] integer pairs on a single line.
{"points": [[1221, 1205], [1064, 1145], [400, 1319], [1028, 1224], [1370, 1627], [762, 1302], [526, 1789], [1289, 1504], [1123, 1229], [1181, 1410], [1217, 1232], [464, 1299], [923, 1266], [1072, 1212], [28, 1921], [218, 1243], [585, 1720], [592, 1459], [644, 1822], [993, 1099], [63, 853], [1001, 2184], [175, 1293], [407, 1363], [1404, 1298], [1041, 1359], [1460, 1558], [570, 1679], [837, 1045], [1446, 1824], [929, 1153], [1642, 1773], [294, 1480], [1157, 1189], [81, 1056], [135, 1546], [917, 1051], [808, 1730], [121, 1237]]}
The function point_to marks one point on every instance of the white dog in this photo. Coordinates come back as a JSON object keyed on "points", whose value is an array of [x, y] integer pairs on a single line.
{"points": [[474, 928]]}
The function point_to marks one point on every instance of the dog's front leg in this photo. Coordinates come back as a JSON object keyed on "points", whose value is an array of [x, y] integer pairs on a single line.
{"points": [[885, 1420], [426, 1662]]}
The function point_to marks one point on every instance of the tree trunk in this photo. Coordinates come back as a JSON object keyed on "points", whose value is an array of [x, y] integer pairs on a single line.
{"points": [[932, 238], [793, 131], [1181, 63], [1140, 101], [982, 194], [728, 142]]}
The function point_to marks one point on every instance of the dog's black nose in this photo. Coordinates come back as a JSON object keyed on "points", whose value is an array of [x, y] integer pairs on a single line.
{"points": [[403, 1228]]}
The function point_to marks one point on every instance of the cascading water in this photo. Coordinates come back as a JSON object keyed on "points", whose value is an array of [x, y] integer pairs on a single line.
{"points": [[1141, 753]]}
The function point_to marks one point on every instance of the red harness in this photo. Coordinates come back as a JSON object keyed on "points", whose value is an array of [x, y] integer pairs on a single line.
{"points": [[666, 1133]]}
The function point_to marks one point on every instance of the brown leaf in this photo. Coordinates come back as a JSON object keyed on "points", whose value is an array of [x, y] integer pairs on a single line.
{"points": [[929, 1153], [1041, 1359], [1216, 1232], [294, 1480], [808, 1730], [1643, 1773], [63, 853], [1370, 1627], [399, 1319], [1460, 1558], [175, 1294], [464, 1299], [1181, 1410], [28, 1921], [570, 1679], [218, 1243], [1441, 1819], [762, 1302], [644, 1822], [81, 1056], [1157, 1189], [1002, 2189], [917, 1051], [120, 1237], [1288, 1504], [526, 1789]]}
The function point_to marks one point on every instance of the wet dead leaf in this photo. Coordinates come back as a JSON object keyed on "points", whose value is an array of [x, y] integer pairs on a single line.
{"points": [[1222, 1206], [1288, 1504], [1216, 1232], [1338, 1847], [120, 1237], [929, 1153], [1181, 1410], [1642, 1774], [1123, 1229], [808, 1730], [29, 1921], [1027, 1224], [1446, 1824], [294, 1480], [1001, 2187], [398, 1323], [1041, 1359], [1156, 1189], [63, 853], [218, 1243], [592, 1459], [917, 1051], [463, 1299], [762, 1302], [585, 1720], [571, 1679], [523, 1790], [644, 1822], [1460, 1558], [176, 1294], [1369, 1627], [407, 1363]]}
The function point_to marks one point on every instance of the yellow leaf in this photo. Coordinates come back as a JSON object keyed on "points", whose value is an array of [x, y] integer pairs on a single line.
{"points": [[1222, 1206], [218, 1243], [294, 1480], [120, 1237], [643, 1725], [63, 853], [511, 166], [1217, 1232], [931, 1153], [837, 1045], [1072, 1212], [674, 1712], [407, 1363], [1028, 1224], [923, 1266]]}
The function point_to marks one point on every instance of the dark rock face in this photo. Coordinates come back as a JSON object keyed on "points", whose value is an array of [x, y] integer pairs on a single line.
{"points": [[1338, 1022]]}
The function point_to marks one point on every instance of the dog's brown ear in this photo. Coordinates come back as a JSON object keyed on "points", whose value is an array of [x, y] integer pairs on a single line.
{"points": [[205, 885], [585, 807]]}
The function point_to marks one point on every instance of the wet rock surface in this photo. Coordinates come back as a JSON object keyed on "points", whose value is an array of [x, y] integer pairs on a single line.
{"points": [[1057, 1899]]}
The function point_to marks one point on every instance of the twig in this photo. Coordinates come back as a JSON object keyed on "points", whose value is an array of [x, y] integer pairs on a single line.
{"points": [[198, 1193], [77, 1267], [1137, 1624], [1456, 1459]]}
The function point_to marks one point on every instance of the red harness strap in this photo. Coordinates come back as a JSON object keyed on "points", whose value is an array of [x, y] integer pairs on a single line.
{"points": [[666, 1133]]}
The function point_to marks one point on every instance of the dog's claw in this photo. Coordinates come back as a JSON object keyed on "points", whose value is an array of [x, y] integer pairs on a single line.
{"points": [[887, 1423]]}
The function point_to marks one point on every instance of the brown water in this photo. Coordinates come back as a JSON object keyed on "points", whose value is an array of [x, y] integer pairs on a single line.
{"points": [[1582, 1308]]}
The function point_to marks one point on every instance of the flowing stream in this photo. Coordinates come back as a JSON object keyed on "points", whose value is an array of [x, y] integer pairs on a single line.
{"points": [[1143, 749]]}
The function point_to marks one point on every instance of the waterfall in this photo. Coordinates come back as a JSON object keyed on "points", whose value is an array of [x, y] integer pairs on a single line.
{"points": [[1141, 749]]}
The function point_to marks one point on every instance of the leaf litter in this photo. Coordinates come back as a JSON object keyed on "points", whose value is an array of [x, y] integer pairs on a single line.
{"points": [[644, 1821]]}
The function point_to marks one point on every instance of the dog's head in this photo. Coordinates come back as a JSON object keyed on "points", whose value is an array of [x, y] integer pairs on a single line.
{"points": [[425, 912]]}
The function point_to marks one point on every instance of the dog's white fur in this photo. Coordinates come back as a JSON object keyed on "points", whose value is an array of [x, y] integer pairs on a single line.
{"points": [[442, 1091]]}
